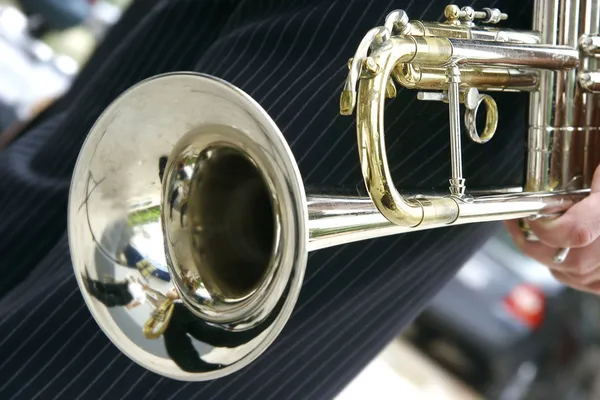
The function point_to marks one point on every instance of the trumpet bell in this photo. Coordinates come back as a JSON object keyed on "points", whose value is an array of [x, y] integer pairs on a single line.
{"points": [[188, 226]]}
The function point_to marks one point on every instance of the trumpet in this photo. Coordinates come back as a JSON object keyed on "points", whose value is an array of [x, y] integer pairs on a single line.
{"points": [[201, 240]]}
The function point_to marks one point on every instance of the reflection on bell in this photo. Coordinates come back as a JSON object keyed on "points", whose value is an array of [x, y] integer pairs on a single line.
{"points": [[161, 316]]}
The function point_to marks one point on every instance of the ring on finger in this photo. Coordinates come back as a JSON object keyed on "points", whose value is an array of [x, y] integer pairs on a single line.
{"points": [[561, 255]]}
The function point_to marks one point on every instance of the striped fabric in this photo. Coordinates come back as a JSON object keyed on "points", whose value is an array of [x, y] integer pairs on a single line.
{"points": [[291, 57]]}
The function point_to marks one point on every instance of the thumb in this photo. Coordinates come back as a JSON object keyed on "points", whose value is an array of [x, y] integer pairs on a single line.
{"points": [[578, 226]]}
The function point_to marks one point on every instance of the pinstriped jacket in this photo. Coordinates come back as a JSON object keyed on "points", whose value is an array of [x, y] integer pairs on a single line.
{"points": [[291, 56]]}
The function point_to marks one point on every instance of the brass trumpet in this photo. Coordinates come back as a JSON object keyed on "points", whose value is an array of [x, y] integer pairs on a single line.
{"points": [[213, 214]]}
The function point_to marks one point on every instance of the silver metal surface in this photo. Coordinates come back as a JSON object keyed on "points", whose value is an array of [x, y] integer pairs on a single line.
{"points": [[542, 57], [590, 44], [561, 255], [564, 126], [457, 182], [118, 234], [472, 103], [508, 36], [590, 81], [432, 96], [561, 114], [336, 220], [396, 22], [471, 99]]}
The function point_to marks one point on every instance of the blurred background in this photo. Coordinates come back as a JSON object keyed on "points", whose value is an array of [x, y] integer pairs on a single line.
{"points": [[503, 328]]}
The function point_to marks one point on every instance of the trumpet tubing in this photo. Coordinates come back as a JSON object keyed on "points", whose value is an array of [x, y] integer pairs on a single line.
{"points": [[563, 117], [482, 78], [217, 198]]}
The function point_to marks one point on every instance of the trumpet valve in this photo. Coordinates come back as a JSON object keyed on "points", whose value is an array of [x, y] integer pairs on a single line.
{"points": [[493, 15]]}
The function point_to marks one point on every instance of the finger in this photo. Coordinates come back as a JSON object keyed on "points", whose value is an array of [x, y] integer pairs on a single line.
{"points": [[569, 281], [580, 262], [579, 226], [589, 278], [514, 229], [538, 251], [593, 287], [595, 186]]}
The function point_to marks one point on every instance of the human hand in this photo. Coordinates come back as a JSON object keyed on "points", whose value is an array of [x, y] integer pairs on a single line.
{"points": [[173, 294], [578, 229]]}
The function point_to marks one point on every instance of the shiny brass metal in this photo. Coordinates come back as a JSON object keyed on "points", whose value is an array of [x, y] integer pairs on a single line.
{"points": [[414, 76], [187, 204], [432, 52], [161, 317], [491, 119]]}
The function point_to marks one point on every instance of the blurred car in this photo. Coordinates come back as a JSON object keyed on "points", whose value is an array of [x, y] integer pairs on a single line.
{"points": [[506, 327]]}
